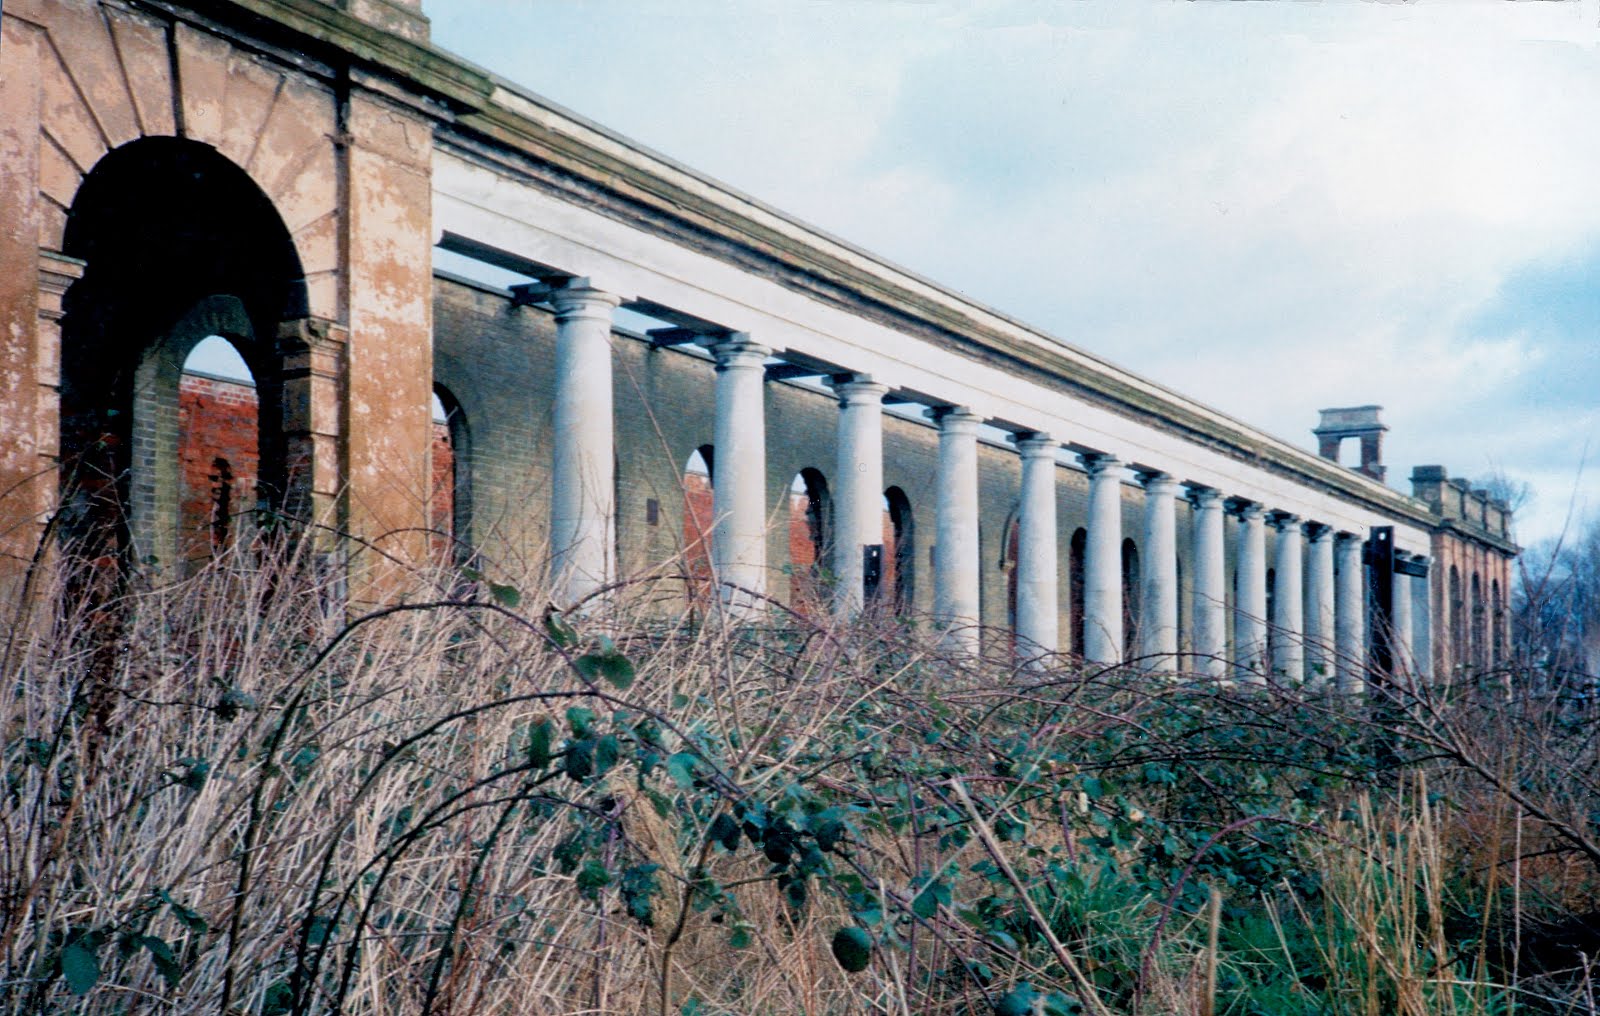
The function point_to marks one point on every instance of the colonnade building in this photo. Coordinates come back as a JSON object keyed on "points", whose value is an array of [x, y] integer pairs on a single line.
{"points": [[469, 313]]}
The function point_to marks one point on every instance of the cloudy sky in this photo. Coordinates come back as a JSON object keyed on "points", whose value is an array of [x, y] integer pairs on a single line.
{"points": [[1270, 207]]}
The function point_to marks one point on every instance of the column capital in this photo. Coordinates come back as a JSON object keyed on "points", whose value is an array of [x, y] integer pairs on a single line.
{"points": [[1318, 531], [1283, 521], [858, 389], [1156, 483], [1099, 463], [1035, 445], [737, 349], [578, 298], [954, 419], [1246, 509], [1202, 496], [1344, 536]]}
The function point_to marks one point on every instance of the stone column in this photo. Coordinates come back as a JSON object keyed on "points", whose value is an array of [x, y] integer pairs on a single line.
{"points": [[1037, 602], [1319, 605], [1210, 584], [583, 475], [1158, 594], [1400, 648], [1102, 565], [858, 501], [1288, 614], [1250, 599], [1422, 612], [958, 561], [1350, 615], [739, 490]]}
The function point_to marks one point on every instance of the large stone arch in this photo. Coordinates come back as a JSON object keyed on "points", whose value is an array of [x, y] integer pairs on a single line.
{"points": [[346, 169], [176, 243]]}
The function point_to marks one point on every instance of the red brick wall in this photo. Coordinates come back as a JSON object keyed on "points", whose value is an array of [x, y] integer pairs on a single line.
{"points": [[443, 498], [698, 514], [216, 420]]}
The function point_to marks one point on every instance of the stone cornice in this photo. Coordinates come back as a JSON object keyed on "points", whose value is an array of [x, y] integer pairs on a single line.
{"points": [[481, 105]]}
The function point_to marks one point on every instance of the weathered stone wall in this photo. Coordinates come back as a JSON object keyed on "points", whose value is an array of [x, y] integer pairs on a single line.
{"points": [[343, 160]]}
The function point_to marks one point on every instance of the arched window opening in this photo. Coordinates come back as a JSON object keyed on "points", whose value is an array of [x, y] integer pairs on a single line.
{"points": [[1270, 652], [1010, 547], [218, 453], [178, 245], [450, 503], [1479, 651], [810, 533], [1458, 635], [1076, 551], [1130, 598], [1184, 596], [899, 550], [699, 516], [1497, 656]]}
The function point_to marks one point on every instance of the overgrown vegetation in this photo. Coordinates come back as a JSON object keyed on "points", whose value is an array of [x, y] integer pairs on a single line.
{"points": [[228, 795]]}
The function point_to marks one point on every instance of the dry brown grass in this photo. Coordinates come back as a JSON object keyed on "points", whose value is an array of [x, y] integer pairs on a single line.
{"points": [[229, 750]]}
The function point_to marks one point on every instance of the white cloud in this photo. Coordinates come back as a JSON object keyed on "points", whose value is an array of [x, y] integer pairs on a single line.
{"points": [[1272, 208]]}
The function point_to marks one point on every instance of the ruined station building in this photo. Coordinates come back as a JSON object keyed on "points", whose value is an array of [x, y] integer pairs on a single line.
{"points": [[677, 380]]}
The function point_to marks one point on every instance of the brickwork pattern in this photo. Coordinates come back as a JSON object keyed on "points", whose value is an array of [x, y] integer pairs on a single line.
{"points": [[218, 459]]}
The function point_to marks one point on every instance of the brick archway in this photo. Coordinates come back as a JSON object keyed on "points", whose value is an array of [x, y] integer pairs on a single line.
{"points": [[346, 169], [177, 243]]}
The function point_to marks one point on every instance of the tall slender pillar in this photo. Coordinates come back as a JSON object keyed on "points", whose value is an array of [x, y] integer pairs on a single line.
{"points": [[1350, 615], [1288, 603], [1037, 579], [1250, 599], [958, 560], [858, 502], [1209, 608], [1422, 613], [1158, 579], [1400, 619], [739, 489], [1319, 605], [1102, 566], [583, 477]]}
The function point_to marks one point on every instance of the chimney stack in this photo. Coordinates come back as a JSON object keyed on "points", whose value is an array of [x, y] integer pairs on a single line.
{"points": [[1360, 422]]}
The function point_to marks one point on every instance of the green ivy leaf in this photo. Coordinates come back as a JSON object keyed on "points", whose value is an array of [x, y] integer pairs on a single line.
{"points": [[1016, 1002], [852, 949], [80, 967], [927, 901], [612, 666], [579, 761], [561, 634], [681, 768], [509, 597], [581, 721], [639, 885], [606, 752], [592, 878], [541, 744], [725, 831]]}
